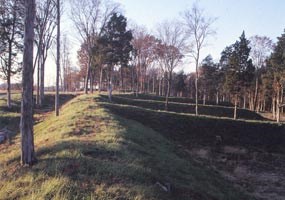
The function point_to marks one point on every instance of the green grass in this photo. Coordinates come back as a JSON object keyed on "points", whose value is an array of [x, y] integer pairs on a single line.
{"points": [[210, 110], [10, 117], [88, 153], [202, 131], [174, 99]]}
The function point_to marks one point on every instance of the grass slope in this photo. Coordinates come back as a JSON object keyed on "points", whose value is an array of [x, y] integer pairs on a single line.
{"points": [[174, 99], [10, 117], [210, 110], [88, 153], [191, 130]]}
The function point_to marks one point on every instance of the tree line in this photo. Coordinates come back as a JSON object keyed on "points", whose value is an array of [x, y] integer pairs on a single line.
{"points": [[115, 55], [25, 24], [248, 74]]}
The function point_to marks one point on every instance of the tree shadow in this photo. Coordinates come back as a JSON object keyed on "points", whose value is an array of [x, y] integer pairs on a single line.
{"points": [[49, 102], [130, 158], [191, 130]]}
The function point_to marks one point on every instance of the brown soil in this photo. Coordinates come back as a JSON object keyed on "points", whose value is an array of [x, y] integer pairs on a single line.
{"points": [[260, 174]]}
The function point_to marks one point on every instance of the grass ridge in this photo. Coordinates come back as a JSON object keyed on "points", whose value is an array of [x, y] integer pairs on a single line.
{"points": [[88, 153]]}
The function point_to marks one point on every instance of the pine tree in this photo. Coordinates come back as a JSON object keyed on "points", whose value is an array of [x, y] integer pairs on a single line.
{"points": [[118, 45], [238, 67], [208, 77]]}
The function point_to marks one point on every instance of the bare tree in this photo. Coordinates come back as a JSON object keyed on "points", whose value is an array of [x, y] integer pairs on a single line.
{"points": [[27, 123], [45, 26], [261, 46], [143, 56], [89, 17], [11, 22], [172, 44], [57, 59], [198, 28], [65, 62]]}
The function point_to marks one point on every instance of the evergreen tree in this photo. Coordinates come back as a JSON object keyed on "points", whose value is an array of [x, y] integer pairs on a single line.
{"points": [[238, 68], [118, 44], [208, 77], [179, 83]]}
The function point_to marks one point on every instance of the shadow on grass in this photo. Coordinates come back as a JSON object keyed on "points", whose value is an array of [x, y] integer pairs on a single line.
{"points": [[128, 164], [49, 102], [10, 117], [12, 124], [174, 99], [217, 111], [125, 161], [192, 131]]}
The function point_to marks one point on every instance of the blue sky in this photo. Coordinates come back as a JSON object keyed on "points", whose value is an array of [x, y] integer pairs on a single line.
{"points": [[255, 17]]}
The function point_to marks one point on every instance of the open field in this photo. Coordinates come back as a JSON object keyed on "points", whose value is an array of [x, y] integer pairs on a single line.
{"points": [[88, 153]]}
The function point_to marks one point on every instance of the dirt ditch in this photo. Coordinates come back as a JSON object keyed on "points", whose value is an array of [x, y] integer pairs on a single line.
{"points": [[258, 173]]}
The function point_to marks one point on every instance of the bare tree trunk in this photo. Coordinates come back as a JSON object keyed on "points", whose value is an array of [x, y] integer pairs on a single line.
{"points": [[87, 78], [137, 89], [39, 78], [255, 95], [167, 95], [8, 90], [169, 79], [163, 87], [196, 86], [159, 87], [38, 82], [26, 125], [274, 107], [204, 98], [251, 101], [92, 82], [259, 106], [132, 80], [100, 79], [38, 88], [282, 100], [235, 109], [9, 76], [264, 105], [122, 79], [42, 82], [153, 85], [57, 60], [110, 88], [278, 106], [244, 100], [217, 98]]}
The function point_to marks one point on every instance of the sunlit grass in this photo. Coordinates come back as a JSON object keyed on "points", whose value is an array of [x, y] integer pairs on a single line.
{"points": [[88, 153]]}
